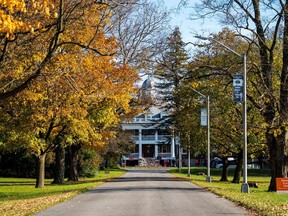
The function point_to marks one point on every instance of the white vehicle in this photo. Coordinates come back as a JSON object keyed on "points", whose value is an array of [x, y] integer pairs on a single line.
{"points": [[219, 164]]}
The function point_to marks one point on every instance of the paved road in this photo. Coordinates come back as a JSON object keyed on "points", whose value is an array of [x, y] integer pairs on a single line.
{"points": [[145, 192]]}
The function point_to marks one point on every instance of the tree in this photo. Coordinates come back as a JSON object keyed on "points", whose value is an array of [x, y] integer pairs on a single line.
{"points": [[171, 70], [140, 30], [75, 107], [26, 53], [117, 146], [172, 73], [55, 114], [81, 88], [265, 24], [15, 17], [73, 152], [59, 172], [192, 135], [172, 65]]}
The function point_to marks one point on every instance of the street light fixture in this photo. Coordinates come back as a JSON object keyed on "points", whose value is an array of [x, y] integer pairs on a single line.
{"points": [[208, 178], [245, 186]]}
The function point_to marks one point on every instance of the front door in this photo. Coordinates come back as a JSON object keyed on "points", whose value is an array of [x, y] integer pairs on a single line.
{"points": [[148, 151]]}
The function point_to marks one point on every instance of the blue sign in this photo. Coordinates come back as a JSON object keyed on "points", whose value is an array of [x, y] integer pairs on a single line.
{"points": [[238, 88]]}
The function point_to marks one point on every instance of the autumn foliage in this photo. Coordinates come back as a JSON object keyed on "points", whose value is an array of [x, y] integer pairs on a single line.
{"points": [[60, 79], [15, 16]]}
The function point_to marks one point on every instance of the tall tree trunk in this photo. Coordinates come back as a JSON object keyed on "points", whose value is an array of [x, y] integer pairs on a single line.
{"points": [[106, 163], [73, 151], [239, 168], [224, 176], [60, 165], [278, 146], [279, 163], [40, 171]]}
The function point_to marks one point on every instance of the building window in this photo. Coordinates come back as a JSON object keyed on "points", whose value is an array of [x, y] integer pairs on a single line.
{"points": [[140, 118], [157, 116], [149, 117]]}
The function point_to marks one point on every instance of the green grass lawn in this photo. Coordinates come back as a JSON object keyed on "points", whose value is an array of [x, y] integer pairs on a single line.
{"points": [[18, 196], [259, 200]]}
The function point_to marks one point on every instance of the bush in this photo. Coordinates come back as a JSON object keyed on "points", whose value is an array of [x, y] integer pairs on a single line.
{"points": [[89, 163]]}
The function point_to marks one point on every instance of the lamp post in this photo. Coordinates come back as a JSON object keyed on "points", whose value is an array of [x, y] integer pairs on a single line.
{"points": [[245, 186], [189, 166], [208, 178], [180, 158]]}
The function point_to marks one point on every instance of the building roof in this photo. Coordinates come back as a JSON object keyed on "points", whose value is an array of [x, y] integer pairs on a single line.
{"points": [[154, 110], [148, 83]]}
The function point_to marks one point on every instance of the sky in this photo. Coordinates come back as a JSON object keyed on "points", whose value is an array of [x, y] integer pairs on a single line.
{"points": [[187, 26]]}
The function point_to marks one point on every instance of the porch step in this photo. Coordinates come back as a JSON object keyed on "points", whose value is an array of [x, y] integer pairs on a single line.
{"points": [[149, 162]]}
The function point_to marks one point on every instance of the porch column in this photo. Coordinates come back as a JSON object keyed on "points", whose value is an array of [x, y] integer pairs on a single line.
{"points": [[140, 143], [173, 146], [156, 136], [156, 150]]}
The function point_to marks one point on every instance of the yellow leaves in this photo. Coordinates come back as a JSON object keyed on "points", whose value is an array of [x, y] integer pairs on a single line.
{"points": [[47, 11], [55, 15], [7, 25], [35, 144], [194, 85], [264, 125], [16, 15], [13, 5], [104, 116], [276, 132], [31, 29], [79, 88]]}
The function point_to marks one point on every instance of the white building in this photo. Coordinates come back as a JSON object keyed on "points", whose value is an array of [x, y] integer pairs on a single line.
{"points": [[153, 140]]}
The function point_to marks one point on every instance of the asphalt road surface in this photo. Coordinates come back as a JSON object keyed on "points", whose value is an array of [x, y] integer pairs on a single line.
{"points": [[145, 192]]}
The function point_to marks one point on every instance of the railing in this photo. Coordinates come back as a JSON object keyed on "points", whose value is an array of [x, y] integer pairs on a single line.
{"points": [[145, 119], [164, 155], [148, 137]]}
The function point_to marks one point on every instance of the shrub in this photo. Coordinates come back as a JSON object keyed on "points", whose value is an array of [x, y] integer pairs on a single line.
{"points": [[89, 163]]}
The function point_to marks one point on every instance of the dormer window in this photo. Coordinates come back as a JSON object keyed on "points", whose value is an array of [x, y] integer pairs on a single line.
{"points": [[156, 116]]}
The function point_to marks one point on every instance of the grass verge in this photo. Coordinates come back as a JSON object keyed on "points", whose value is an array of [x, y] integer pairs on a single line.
{"points": [[18, 196], [259, 200]]}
